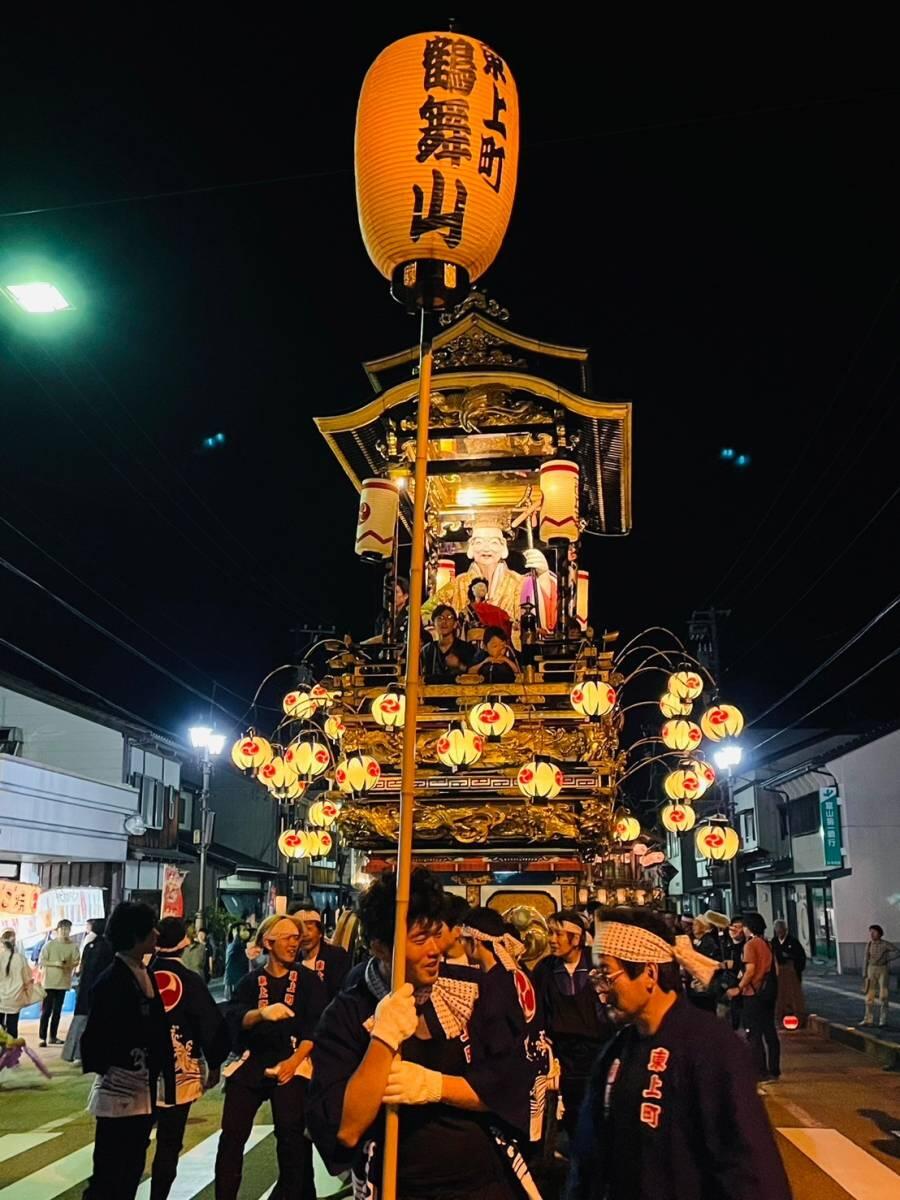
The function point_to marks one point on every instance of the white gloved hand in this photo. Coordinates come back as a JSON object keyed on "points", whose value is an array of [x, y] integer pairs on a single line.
{"points": [[408, 1083], [535, 560], [276, 1012], [396, 1017]]}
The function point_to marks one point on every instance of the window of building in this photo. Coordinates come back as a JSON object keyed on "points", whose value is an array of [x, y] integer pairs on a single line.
{"points": [[803, 815], [153, 801], [747, 821], [185, 810]]}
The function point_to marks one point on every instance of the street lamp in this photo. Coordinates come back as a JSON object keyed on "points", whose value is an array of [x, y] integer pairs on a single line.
{"points": [[727, 758], [210, 744], [37, 297]]}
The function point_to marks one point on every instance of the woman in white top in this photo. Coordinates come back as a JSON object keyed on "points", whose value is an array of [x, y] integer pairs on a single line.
{"points": [[15, 983]]}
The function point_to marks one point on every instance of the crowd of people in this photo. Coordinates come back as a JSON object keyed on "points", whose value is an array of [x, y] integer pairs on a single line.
{"points": [[627, 1064]]}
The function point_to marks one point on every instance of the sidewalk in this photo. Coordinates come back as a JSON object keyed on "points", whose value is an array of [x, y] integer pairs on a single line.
{"points": [[837, 1006]]}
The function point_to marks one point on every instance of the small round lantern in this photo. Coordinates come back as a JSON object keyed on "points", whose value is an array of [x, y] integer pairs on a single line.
{"points": [[625, 827], [492, 720], [683, 785], [379, 501], [326, 842], [312, 843], [276, 774], [299, 705], [293, 843], [791, 1022], [592, 699], [459, 747], [251, 752], [320, 696], [295, 789], [334, 728], [722, 721], [437, 149], [330, 810], [540, 780], [678, 818], [671, 705], [389, 710], [717, 840], [681, 735], [703, 771], [308, 757], [357, 774], [559, 501], [687, 685]]}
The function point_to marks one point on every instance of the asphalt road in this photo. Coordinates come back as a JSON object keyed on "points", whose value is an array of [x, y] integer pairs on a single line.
{"points": [[837, 1117]]}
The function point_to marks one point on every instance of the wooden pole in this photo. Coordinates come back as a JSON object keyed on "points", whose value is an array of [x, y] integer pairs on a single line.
{"points": [[408, 771]]}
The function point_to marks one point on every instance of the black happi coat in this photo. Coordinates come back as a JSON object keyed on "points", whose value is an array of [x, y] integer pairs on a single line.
{"points": [[95, 958], [271, 1042], [676, 1116], [197, 1028], [332, 966], [446, 1150]]}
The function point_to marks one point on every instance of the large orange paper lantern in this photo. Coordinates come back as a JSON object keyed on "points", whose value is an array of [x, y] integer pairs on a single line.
{"points": [[717, 840], [251, 752], [722, 721], [688, 685], [559, 501], [492, 720], [678, 818], [681, 735], [379, 500], [437, 150]]}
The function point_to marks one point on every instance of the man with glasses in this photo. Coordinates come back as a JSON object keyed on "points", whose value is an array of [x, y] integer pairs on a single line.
{"points": [[448, 656], [672, 1110], [272, 1015]]}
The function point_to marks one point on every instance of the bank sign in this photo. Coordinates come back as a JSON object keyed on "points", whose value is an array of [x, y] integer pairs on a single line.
{"points": [[831, 826]]}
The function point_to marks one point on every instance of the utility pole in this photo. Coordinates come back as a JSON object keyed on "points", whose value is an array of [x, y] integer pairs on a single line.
{"points": [[703, 634]]}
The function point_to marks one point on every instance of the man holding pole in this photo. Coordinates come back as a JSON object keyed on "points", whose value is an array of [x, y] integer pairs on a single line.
{"points": [[462, 1084]]}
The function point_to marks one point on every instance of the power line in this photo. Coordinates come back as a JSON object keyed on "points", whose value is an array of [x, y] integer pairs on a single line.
{"points": [[837, 558], [860, 633], [597, 135], [88, 691], [122, 613], [830, 699], [790, 475], [114, 637]]}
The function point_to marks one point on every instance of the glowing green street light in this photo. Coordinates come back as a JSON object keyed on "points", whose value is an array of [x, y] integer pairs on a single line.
{"points": [[37, 297]]}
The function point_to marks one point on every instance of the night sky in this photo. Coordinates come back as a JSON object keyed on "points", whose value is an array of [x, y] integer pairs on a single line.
{"points": [[726, 246]]}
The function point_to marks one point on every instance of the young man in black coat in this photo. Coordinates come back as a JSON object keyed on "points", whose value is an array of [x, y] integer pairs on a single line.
{"points": [[126, 1043], [271, 1017], [200, 1043]]}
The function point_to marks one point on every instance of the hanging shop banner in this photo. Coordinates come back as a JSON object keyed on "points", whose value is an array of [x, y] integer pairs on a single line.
{"points": [[831, 826], [172, 898], [18, 899]]}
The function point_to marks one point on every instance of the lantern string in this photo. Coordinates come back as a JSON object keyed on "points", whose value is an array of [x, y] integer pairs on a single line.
{"points": [[647, 646], [650, 629]]}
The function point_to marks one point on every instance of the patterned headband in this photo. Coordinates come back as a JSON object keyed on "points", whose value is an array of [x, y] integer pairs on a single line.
{"points": [[307, 914], [505, 946], [630, 943], [569, 926]]}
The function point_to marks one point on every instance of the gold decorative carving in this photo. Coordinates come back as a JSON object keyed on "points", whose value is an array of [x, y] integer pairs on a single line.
{"points": [[490, 405], [592, 744], [476, 301], [466, 825], [476, 349]]}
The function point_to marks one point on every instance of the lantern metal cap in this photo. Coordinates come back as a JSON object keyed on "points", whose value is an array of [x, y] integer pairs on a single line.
{"points": [[429, 284]]}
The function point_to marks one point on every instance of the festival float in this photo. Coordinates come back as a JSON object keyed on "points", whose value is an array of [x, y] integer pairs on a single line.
{"points": [[485, 448]]}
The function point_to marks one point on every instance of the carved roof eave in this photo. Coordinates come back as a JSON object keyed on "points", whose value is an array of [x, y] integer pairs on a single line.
{"points": [[474, 320], [402, 393]]}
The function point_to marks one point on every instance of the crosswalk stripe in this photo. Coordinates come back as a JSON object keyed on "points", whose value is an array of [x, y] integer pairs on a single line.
{"points": [[196, 1169], [54, 1179], [858, 1173], [12, 1144]]}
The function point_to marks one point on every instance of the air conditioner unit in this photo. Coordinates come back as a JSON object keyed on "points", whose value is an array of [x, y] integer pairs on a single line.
{"points": [[10, 740]]}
